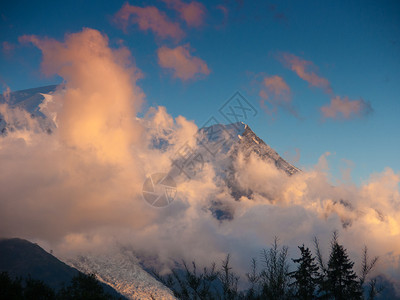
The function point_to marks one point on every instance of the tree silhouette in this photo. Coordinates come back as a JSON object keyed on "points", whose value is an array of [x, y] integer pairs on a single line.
{"points": [[306, 275], [313, 278], [83, 287], [10, 288], [341, 281], [37, 289], [275, 276]]}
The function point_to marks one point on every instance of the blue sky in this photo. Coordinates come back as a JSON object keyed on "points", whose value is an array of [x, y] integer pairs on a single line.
{"points": [[351, 48]]}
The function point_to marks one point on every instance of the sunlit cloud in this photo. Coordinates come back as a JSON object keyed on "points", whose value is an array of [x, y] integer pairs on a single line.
{"points": [[276, 85], [149, 18], [306, 70], [102, 119], [344, 108], [192, 13], [274, 93], [181, 62], [79, 188], [339, 107]]}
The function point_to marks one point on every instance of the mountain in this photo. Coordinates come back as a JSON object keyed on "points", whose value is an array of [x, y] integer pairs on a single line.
{"points": [[240, 138], [223, 143], [219, 144], [20, 258], [29, 99]]}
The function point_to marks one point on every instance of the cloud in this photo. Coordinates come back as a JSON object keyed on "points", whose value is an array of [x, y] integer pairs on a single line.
{"points": [[344, 108], [149, 18], [86, 172], [184, 65], [79, 188], [7, 47], [339, 107], [102, 119], [306, 71], [276, 85], [192, 13], [225, 15], [6, 94], [276, 92]]}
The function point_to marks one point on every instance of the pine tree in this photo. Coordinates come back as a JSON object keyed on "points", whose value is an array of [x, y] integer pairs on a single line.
{"points": [[341, 280], [305, 277]]}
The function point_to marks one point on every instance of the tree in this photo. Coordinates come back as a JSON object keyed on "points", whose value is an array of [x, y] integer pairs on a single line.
{"points": [[189, 283], [37, 289], [306, 275], [229, 280], [83, 287], [367, 265], [253, 277], [341, 281], [275, 277], [10, 288]]}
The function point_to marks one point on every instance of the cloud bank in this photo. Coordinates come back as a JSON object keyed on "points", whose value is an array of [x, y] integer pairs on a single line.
{"points": [[78, 189]]}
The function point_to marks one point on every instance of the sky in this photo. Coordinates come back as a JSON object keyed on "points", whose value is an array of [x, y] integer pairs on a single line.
{"points": [[345, 51], [323, 82]]}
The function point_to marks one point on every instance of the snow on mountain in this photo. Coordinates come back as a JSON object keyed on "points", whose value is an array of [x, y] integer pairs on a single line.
{"points": [[220, 145], [121, 270], [224, 143], [239, 137], [29, 100]]}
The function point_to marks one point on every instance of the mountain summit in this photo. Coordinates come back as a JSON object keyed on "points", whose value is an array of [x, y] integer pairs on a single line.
{"points": [[221, 145]]}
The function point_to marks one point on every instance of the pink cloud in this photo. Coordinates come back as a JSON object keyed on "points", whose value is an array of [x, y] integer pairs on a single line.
{"points": [[7, 47], [100, 99], [304, 69], [184, 65], [192, 13], [345, 108], [276, 92], [276, 85], [148, 18], [225, 13], [339, 108]]}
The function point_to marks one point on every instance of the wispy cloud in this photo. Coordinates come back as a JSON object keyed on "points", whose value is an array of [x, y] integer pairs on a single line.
{"points": [[306, 70], [184, 65], [148, 18], [7, 47], [192, 13], [225, 12], [344, 108], [276, 85], [275, 93], [339, 107]]}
